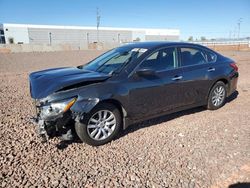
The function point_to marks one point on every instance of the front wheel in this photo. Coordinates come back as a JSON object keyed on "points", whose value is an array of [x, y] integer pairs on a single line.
{"points": [[100, 126], [217, 96]]}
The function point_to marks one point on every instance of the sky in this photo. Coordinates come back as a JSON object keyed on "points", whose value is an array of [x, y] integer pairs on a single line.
{"points": [[209, 18]]}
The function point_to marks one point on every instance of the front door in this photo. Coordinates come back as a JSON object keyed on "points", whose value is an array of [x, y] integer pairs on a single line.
{"points": [[152, 94]]}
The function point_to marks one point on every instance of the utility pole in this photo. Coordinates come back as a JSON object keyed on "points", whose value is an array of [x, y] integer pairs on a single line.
{"points": [[98, 18], [88, 38], [50, 39], [118, 38], [239, 22]]}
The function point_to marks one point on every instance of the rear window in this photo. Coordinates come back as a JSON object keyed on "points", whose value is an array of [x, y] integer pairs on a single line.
{"points": [[192, 56]]}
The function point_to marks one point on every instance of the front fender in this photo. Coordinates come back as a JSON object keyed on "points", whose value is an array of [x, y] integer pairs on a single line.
{"points": [[84, 105]]}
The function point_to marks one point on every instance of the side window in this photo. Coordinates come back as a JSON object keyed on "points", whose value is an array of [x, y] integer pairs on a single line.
{"points": [[211, 57], [192, 56], [161, 60]]}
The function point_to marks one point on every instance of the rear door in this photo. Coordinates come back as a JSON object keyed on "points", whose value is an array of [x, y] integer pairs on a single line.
{"points": [[198, 72]]}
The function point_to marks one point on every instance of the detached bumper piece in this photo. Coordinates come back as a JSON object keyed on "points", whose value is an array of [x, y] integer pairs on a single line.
{"points": [[233, 83], [61, 127]]}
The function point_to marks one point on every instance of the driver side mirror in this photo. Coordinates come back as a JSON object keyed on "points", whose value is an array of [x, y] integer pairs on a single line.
{"points": [[145, 72]]}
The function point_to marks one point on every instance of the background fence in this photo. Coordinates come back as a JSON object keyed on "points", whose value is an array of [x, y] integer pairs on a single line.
{"points": [[226, 45]]}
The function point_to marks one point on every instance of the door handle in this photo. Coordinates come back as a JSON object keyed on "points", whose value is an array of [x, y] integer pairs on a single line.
{"points": [[211, 69], [176, 78]]}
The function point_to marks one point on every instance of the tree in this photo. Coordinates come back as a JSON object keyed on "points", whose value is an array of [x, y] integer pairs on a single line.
{"points": [[203, 38], [11, 40], [191, 38], [137, 39]]}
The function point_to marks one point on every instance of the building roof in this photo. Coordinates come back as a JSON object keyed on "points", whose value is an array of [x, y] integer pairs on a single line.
{"points": [[148, 31]]}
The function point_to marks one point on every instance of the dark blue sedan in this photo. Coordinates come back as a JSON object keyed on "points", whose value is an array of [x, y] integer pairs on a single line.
{"points": [[128, 84]]}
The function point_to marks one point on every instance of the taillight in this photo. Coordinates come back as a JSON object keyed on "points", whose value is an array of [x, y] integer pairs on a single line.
{"points": [[234, 66]]}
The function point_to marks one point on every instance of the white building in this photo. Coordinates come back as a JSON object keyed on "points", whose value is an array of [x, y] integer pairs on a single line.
{"points": [[79, 36]]}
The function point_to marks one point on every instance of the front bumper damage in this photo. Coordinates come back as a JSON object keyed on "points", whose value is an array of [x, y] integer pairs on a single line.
{"points": [[60, 127], [40, 128]]}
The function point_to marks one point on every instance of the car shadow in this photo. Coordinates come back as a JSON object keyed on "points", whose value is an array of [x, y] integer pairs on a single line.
{"points": [[63, 144], [159, 120], [164, 118], [240, 185], [233, 96], [148, 123]]}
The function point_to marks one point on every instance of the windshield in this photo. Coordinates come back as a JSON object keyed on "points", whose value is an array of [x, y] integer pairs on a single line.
{"points": [[113, 60]]}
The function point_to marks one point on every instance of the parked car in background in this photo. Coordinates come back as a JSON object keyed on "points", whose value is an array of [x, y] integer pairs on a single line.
{"points": [[129, 84]]}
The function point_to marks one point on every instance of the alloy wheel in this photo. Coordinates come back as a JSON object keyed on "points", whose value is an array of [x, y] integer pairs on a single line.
{"points": [[101, 125], [218, 96]]}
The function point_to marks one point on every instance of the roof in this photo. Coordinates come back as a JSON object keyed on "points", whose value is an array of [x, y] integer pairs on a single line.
{"points": [[156, 44]]}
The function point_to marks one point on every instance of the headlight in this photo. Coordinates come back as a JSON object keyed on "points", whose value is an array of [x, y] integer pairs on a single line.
{"points": [[52, 110]]}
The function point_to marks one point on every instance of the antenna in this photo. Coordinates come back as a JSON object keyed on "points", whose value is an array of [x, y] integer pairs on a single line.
{"points": [[98, 18], [235, 30]]}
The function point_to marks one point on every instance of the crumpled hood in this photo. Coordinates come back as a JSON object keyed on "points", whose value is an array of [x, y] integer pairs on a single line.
{"points": [[44, 83]]}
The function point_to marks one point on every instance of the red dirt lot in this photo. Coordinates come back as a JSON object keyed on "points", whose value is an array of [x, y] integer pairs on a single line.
{"points": [[194, 148]]}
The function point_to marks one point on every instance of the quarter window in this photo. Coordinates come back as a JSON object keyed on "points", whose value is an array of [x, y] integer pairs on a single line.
{"points": [[192, 56], [211, 57], [161, 60]]}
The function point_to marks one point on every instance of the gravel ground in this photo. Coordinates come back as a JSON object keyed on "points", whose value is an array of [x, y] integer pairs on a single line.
{"points": [[194, 148]]}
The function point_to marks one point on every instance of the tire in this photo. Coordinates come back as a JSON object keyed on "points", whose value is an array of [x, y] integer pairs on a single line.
{"points": [[214, 102], [92, 123]]}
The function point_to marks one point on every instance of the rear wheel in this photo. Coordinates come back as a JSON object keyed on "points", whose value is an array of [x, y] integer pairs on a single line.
{"points": [[100, 126], [217, 96]]}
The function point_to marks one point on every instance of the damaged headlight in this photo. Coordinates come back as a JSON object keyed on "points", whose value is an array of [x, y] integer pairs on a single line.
{"points": [[54, 109]]}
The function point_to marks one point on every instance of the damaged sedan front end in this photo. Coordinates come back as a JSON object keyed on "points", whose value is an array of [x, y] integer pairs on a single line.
{"points": [[52, 118], [56, 118], [53, 102]]}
